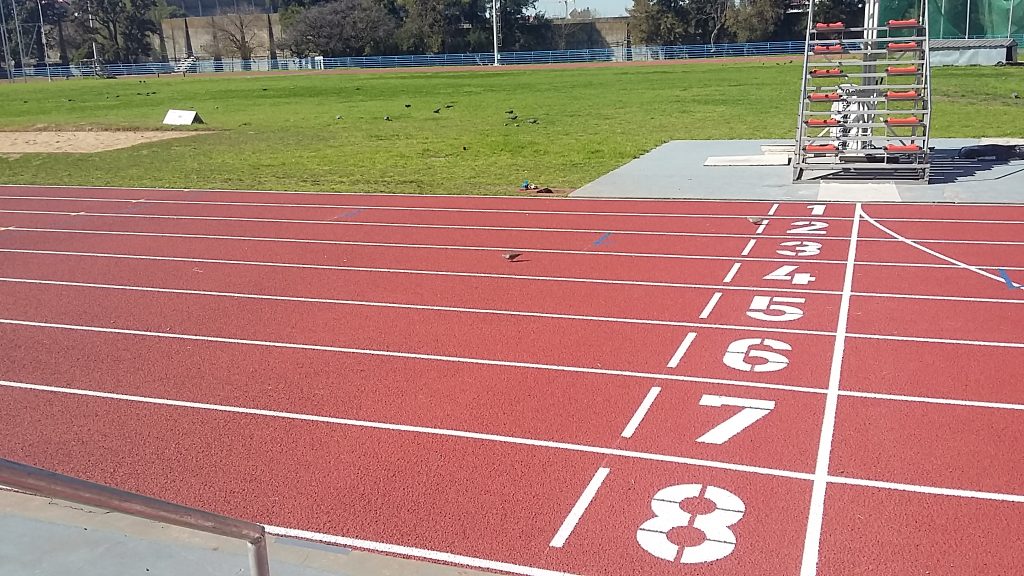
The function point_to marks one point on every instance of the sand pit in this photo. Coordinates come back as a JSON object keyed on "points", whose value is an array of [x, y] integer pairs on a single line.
{"points": [[79, 142]]}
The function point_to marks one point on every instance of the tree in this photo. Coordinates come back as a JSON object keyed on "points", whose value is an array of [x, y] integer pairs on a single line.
{"points": [[661, 22], [122, 28], [342, 28], [237, 32], [756, 20], [709, 17]]}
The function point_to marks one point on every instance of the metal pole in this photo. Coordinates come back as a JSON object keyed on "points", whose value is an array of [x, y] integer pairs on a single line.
{"points": [[967, 20], [92, 29], [17, 30], [1009, 21], [8, 60], [494, 28], [42, 38], [259, 563]]}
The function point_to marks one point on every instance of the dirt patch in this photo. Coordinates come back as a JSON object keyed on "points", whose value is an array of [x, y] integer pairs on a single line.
{"points": [[13, 143]]}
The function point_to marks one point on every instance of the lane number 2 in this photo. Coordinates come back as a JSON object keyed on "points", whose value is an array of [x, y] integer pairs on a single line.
{"points": [[719, 540], [808, 227]]}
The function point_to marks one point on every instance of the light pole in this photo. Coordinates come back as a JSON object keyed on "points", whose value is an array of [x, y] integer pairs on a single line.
{"points": [[8, 61], [42, 38], [17, 30], [494, 28]]}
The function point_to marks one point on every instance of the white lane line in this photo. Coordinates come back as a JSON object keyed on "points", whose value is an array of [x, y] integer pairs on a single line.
{"points": [[974, 269], [683, 347], [711, 305], [749, 247], [392, 244], [927, 400], [936, 490], [413, 271], [412, 355], [991, 343], [397, 224], [771, 211], [812, 540], [538, 278], [732, 273], [445, 432], [641, 411], [433, 555], [764, 225], [577, 511], [370, 303]]}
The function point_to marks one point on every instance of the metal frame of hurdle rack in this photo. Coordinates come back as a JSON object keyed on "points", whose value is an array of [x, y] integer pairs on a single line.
{"points": [[865, 100]]}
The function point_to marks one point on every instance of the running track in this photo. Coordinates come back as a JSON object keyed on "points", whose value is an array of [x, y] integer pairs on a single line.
{"points": [[657, 388]]}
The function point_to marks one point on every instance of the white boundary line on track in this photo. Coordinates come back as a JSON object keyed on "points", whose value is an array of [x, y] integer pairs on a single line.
{"points": [[443, 432], [418, 272], [991, 343], [485, 210], [508, 276], [641, 411], [565, 530], [915, 244], [393, 245], [416, 356], [760, 228], [427, 226], [452, 247], [433, 555], [244, 295], [512, 364], [812, 540], [581, 448]]}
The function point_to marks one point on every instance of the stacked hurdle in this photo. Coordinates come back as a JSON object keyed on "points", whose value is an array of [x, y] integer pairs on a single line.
{"points": [[865, 100]]}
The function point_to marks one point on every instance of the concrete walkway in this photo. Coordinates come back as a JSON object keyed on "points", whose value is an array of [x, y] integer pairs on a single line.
{"points": [[46, 537], [677, 170]]}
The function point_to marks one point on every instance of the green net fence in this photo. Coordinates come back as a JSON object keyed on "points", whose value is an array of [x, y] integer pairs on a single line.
{"points": [[962, 18]]}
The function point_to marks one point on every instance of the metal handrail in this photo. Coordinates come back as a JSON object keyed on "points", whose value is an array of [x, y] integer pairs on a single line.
{"points": [[53, 485]]}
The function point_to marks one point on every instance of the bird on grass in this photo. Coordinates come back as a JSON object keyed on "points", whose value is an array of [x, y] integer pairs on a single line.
{"points": [[510, 111], [756, 219], [449, 105], [511, 256], [408, 105], [532, 120], [513, 117], [437, 110], [387, 118]]}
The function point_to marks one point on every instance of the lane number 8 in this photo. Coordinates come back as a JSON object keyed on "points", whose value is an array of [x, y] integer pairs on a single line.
{"points": [[719, 541]]}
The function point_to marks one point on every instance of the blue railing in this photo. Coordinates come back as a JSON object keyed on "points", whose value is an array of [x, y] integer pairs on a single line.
{"points": [[640, 53], [620, 54]]}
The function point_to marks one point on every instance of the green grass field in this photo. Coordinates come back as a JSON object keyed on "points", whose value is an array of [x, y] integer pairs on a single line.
{"points": [[280, 132]]}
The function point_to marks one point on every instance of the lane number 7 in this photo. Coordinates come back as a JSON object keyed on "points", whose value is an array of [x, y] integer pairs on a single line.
{"points": [[752, 411]]}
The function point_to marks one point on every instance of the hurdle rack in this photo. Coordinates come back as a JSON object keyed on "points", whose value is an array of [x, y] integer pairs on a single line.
{"points": [[865, 100]]}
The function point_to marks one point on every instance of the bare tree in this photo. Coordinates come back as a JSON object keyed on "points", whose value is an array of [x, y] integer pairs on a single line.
{"points": [[237, 32]]}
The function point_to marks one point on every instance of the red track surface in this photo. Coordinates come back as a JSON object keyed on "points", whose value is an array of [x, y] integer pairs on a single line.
{"points": [[369, 371]]}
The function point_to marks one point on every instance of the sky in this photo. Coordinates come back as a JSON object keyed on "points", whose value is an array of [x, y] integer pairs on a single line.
{"points": [[556, 8]]}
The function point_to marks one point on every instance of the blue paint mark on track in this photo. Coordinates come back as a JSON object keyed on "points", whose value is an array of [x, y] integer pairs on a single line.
{"points": [[601, 240], [349, 214], [1006, 278]]}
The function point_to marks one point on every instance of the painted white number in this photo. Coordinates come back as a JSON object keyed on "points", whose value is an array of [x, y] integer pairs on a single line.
{"points": [[738, 352], [787, 273], [753, 410], [816, 209], [760, 306], [806, 227], [719, 540], [800, 248]]}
